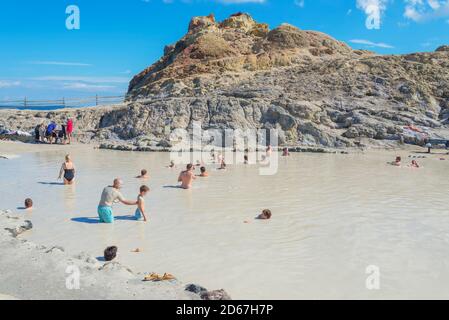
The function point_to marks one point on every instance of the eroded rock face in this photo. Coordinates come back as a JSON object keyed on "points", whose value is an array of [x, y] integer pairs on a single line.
{"points": [[239, 74]]}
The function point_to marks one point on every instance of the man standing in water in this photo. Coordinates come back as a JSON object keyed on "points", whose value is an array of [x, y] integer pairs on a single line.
{"points": [[109, 196], [187, 177]]}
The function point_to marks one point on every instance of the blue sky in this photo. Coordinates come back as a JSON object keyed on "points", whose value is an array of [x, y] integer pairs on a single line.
{"points": [[41, 59]]}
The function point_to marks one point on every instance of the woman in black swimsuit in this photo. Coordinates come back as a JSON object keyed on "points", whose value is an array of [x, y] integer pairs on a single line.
{"points": [[68, 169]]}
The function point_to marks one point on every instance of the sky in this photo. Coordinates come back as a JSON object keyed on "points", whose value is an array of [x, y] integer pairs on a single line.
{"points": [[46, 54]]}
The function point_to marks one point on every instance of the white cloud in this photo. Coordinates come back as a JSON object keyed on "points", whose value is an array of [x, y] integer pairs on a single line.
{"points": [[87, 87], [60, 63], [374, 9], [300, 3], [9, 83], [425, 10], [371, 44]]}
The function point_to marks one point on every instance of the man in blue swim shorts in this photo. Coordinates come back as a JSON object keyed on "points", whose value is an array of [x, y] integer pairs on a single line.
{"points": [[110, 195]]}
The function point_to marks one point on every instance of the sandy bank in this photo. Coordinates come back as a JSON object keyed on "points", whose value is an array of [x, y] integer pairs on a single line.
{"points": [[31, 271]]}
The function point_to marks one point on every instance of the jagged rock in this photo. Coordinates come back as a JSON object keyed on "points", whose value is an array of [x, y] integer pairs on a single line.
{"points": [[195, 288], [442, 49]]}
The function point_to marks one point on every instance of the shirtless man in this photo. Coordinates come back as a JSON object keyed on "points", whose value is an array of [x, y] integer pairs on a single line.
{"points": [[109, 196], [187, 177]]}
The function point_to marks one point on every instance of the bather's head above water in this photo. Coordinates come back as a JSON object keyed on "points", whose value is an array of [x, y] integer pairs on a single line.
{"points": [[265, 215]]}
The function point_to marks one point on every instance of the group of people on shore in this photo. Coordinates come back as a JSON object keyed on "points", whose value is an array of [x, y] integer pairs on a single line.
{"points": [[54, 133]]}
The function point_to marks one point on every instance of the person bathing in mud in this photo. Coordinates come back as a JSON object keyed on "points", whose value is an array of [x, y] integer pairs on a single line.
{"points": [[28, 204], [68, 169], [203, 173], [143, 175], [186, 177], [222, 165], [396, 162], [269, 150], [140, 211], [265, 215], [414, 164], [109, 196], [171, 165]]}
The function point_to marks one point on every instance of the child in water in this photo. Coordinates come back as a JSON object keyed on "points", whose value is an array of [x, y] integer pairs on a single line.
{"points": [[140, 211]]}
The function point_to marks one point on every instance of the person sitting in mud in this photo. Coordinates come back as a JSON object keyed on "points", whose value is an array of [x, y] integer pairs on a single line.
{"points": [[109, 196], [110, 253], [204, 172], [28, 204], [68, 168], [396, 162], [171, 165], [414, 164], [143, 175], [222, 165], [140, 211], [269, 150], [265, 215], [186, 177]]}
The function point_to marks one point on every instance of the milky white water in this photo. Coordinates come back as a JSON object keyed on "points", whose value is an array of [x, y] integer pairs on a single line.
{"points": [[333, 215]]}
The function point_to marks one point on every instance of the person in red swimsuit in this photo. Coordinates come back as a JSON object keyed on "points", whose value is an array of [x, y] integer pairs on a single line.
{"points": [[69, 130]]}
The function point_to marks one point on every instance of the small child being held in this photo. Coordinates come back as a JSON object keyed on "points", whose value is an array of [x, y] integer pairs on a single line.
{"points": [[140, 211]]}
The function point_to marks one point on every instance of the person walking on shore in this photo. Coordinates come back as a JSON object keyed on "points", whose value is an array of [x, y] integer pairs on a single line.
{"points": [[69, 130], [68, 169], [110, 195]]}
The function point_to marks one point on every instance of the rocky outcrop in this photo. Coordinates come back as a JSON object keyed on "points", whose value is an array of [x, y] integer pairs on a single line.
{"points": [[238, 73]]}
